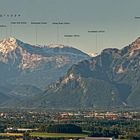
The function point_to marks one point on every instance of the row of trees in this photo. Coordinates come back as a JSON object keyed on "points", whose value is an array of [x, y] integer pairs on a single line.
{"points": [[2, 128], [64, 128]]}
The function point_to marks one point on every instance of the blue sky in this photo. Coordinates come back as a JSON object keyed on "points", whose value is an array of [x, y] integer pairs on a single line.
{"points": [[115, 17]]}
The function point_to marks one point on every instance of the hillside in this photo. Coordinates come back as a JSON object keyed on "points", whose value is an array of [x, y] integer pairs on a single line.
{"points": [[108, 80], [35, 65]]}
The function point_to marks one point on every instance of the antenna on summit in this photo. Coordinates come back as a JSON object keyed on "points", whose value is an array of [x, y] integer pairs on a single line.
{"points": [[58, 28], [16, 24], [96, 32], [68, 36], [37, 23], [2, 26]]}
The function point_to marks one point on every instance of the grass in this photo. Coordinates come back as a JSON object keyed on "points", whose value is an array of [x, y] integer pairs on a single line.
{"points": [[57, 135], [47, 135], [11, 134]]}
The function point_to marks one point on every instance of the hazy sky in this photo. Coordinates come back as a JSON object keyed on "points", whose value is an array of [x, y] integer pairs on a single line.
{"points": [[115, 17]]}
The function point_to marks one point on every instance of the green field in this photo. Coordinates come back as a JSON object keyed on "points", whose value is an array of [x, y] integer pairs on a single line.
{"points": [[11, 134], [47, 135], [57, 135]]}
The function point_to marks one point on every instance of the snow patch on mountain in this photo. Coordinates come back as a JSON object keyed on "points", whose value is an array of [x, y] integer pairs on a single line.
{"points": [[93, 54], [8, 45], [56, 46]]}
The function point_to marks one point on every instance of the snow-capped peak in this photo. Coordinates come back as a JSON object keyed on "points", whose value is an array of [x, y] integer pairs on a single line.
{"points": [[136, 44], [56, 46], [133, 48], [8, 45], [93, 54], [12, 40]]}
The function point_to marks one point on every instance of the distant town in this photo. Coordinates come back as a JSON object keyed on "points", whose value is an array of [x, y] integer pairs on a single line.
{"points": [[32, 124]]}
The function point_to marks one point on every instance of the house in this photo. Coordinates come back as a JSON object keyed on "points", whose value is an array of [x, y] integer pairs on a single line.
{"points": [[97, 138]]}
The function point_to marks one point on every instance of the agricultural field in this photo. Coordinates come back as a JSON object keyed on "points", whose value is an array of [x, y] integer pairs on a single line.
{"points": [[57, 135], [11, 134], [46, 135]]}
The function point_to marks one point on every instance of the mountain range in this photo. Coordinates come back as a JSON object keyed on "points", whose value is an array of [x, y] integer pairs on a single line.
{"points": [[58, 76], [28, 69]]}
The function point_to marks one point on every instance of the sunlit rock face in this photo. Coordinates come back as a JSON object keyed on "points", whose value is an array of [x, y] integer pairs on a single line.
{"points": [[35, 64]]}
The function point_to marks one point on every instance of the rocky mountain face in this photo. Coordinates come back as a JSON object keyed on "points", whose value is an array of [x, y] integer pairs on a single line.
{"points": [[27, 69], [111, 79], [57, 76], [37, 65]]}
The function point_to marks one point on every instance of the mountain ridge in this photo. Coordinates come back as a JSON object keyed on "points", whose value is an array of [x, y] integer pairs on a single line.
{"points": [[109, 79], [29, 64]]}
